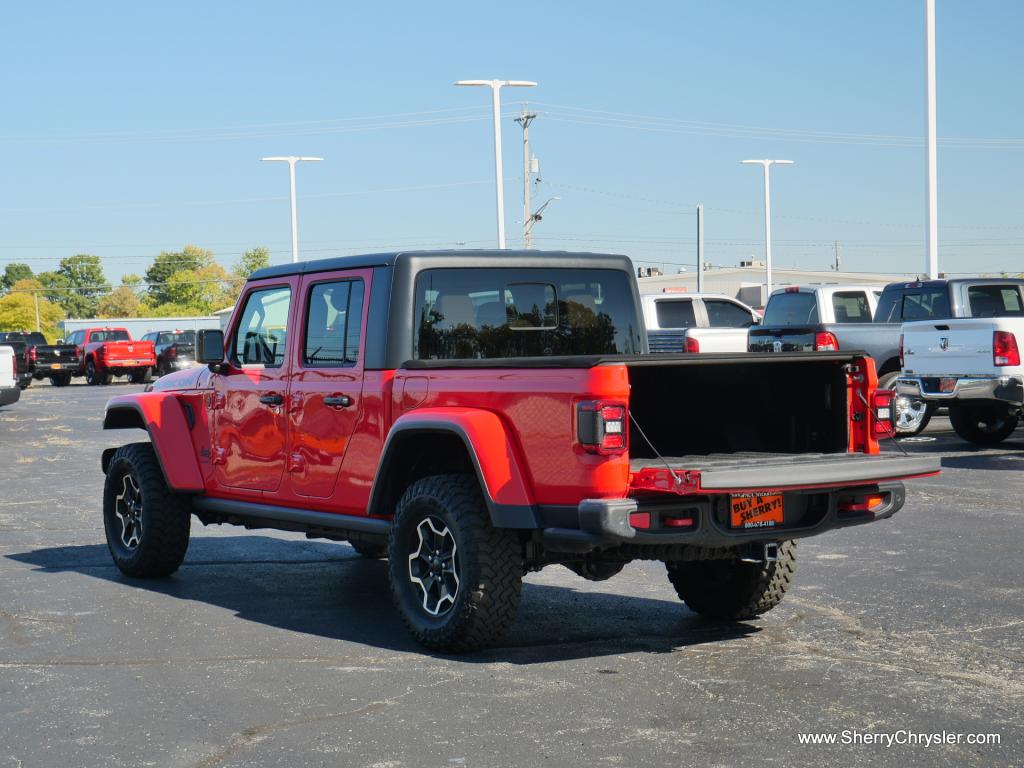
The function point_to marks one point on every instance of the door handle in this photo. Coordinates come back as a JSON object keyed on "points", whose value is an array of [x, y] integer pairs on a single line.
{"points": [[338, 401], [274, 399]]}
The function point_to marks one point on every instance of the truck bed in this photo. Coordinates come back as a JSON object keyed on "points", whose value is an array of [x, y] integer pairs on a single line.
{"points": [[765, 471]]}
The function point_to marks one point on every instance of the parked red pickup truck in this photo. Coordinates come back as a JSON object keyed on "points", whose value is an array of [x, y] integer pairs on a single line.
{"points": [[473, 416], [107, 352]]}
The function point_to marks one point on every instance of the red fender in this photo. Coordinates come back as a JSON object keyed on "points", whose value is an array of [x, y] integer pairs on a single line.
{"points": [[163, 416], [491, 447]]}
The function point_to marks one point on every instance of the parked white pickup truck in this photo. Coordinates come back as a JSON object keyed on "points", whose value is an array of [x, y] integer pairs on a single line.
{"points": [[9, 389], [696, 322], [971, 365]]}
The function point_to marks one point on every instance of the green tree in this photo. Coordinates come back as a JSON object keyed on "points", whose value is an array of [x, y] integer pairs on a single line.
{"points": [[202, 290], [121, 302], [82, 277], [18, 309], [253, 259], [190, 258], [13, 273]]}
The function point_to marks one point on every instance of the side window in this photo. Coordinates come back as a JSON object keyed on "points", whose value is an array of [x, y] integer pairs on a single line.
{"points": [[263, 329], [675, 313], [725, 314], [334, 316], [851, 307]]}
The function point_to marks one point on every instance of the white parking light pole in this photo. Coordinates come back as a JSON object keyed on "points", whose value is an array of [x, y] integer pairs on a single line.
{"points": [[496, 86], [767, 164], [292, 160]]}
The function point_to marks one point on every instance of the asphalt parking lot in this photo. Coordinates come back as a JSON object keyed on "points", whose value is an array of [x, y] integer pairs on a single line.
{"points": [[269, 649]]}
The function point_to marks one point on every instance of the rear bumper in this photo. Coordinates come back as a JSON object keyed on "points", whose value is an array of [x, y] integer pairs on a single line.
{"points": [[43, 370], [1008, 389], [9, 395], [606, 523]]}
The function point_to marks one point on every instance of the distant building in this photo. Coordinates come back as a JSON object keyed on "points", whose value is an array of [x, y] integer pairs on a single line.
{"points": [[139, 326], [747, 283]]}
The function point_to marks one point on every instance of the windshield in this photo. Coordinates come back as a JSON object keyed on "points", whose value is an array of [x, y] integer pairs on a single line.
{"points": [[464, 314], [791, 309]]}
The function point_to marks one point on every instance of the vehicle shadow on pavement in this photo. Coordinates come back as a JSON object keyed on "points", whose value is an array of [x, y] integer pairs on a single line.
{"points": [[326, 590]]}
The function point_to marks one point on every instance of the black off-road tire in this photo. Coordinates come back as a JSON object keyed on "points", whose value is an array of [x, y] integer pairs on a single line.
{"points": [[60, 379], [24, 383], [982, 424], [94, 377], [487, 560], [731, 589], [165, 515], [141, 375], [368, 550]]}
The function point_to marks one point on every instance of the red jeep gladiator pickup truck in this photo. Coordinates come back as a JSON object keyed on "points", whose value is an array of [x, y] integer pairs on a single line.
{"points": [[107, 352], [476, 415]]}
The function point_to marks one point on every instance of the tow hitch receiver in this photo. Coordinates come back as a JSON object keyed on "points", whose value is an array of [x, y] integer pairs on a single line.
{"points": [[762, 553]]}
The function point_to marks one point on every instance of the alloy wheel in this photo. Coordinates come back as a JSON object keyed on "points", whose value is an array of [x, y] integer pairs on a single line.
{"points": [[433, 568], [128, 510]]}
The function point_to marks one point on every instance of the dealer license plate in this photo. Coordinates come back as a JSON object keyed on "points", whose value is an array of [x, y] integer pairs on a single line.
{"points": [[756, 510], [55, 366]]}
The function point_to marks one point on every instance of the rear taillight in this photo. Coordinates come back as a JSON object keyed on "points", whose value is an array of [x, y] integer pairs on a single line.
{"points": [[691, 345], [1004, 349], [881, 405], [32, 354], [601, 427], [901, 350], [825, 342], [868, 503]]}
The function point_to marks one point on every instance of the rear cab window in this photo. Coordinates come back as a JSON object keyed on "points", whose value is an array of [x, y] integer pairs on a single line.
{"points": [[675, 313], [465, 314], [791, 308], [109, 335]]}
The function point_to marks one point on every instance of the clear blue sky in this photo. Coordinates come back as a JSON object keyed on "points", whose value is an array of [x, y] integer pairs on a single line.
{"points": [[131, 128]]}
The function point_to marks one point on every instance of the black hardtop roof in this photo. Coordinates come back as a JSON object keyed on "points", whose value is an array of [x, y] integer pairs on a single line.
{"points": [[454, 258], [942, 282]]}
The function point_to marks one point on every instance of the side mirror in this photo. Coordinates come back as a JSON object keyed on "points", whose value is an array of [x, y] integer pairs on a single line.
{"points": [[210, 348]]}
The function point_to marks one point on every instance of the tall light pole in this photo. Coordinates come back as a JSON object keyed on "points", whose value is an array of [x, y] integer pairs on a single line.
{"points": [[767, 164], [496, 86], [292, 160], [933, 195]]}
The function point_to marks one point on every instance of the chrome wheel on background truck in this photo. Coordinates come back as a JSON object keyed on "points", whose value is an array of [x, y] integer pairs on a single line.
{"points": [[911, 414]]}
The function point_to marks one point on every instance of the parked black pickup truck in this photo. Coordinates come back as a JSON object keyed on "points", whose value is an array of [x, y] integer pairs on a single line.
{"points": [[38, 359], [175, 350]]}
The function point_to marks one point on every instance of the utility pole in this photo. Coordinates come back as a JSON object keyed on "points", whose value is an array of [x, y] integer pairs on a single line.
{"points": [[39, 325], [932, 258], [839, 260], [700, 247], [524, 120]]}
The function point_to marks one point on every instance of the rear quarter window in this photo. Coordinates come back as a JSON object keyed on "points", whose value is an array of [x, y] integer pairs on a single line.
{"points": [[994, 301], [851, 307], [675, 313]]}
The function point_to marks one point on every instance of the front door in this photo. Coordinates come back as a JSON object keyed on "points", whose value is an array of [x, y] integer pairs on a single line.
{"points": [[250, 396], [327, 383]]}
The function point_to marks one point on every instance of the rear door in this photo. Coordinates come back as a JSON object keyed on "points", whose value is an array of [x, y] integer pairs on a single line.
{"points": [[672, 316], [327, 384], [250, 397]]}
